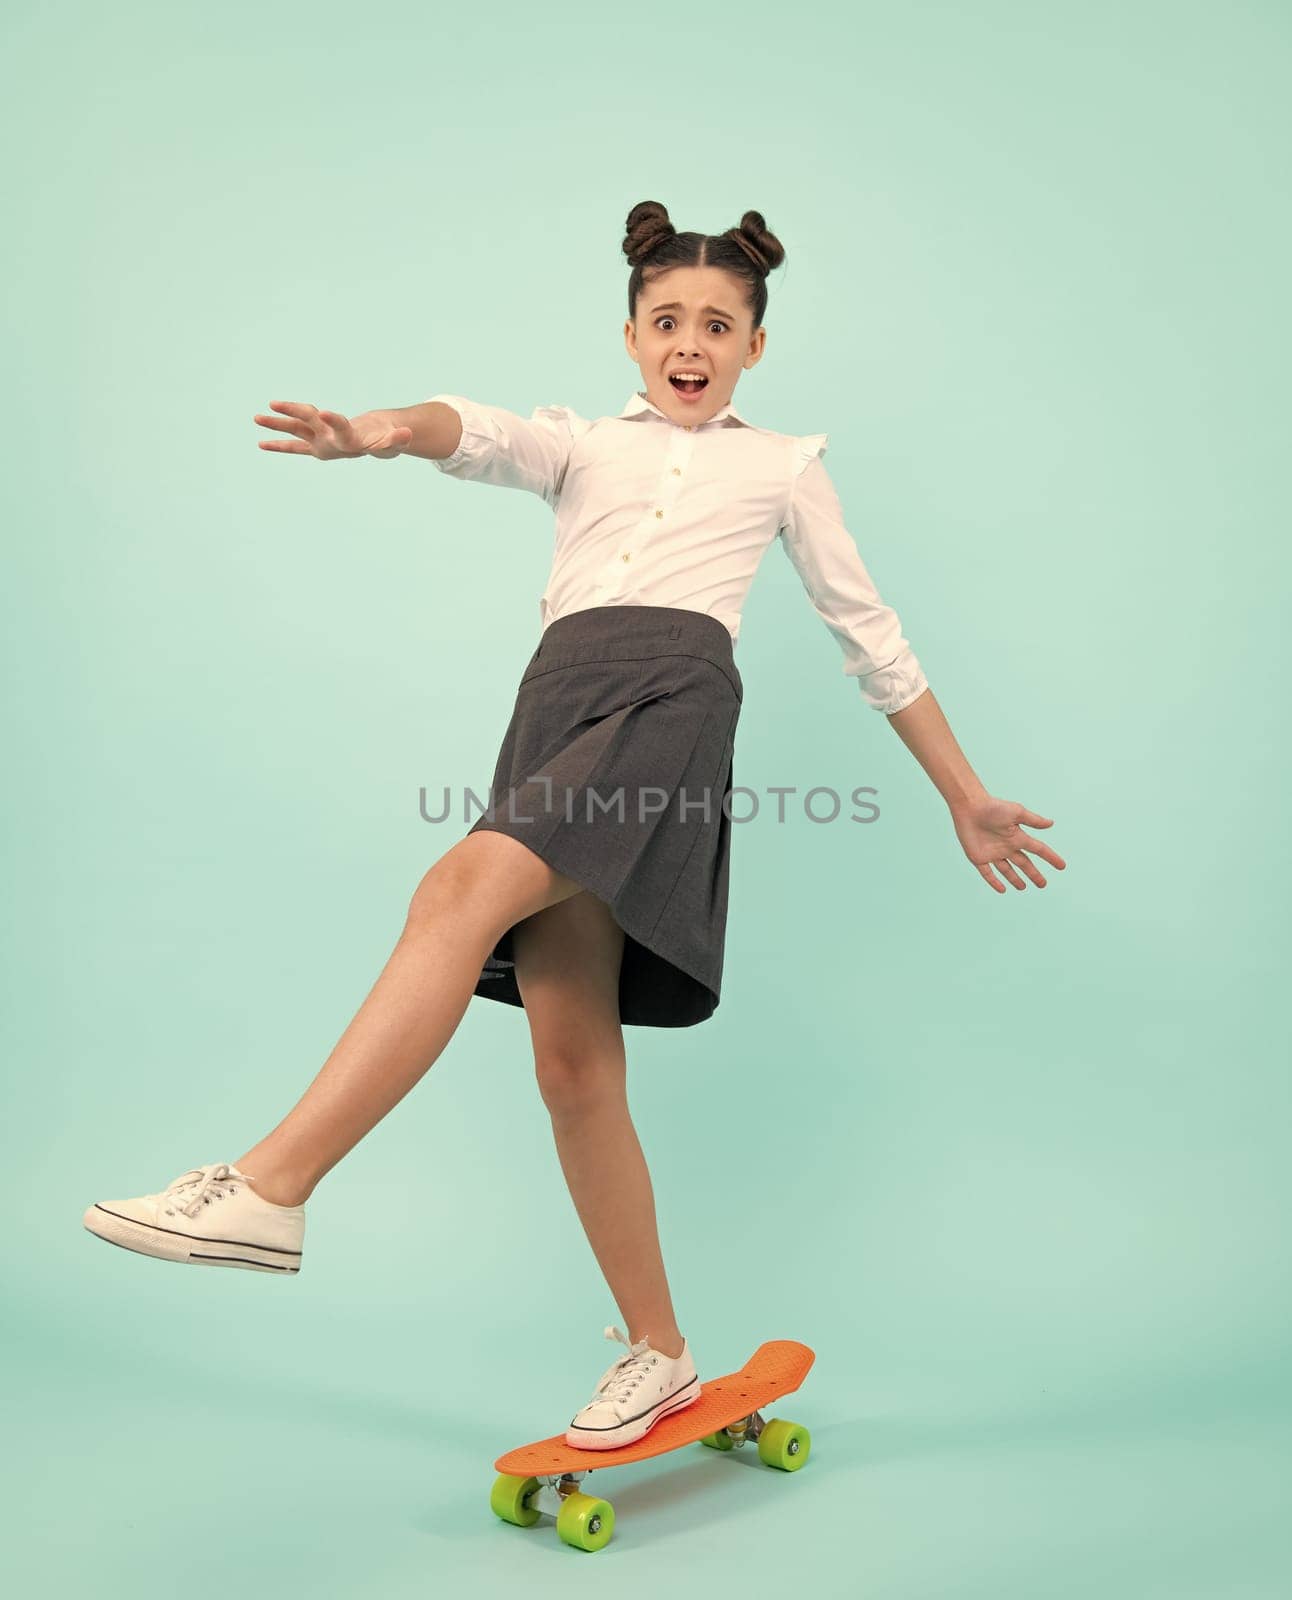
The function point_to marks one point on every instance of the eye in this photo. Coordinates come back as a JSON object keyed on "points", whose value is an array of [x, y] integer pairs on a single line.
{"points": [[716, 323]]}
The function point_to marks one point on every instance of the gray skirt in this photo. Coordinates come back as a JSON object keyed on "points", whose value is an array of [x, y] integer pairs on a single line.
{"points": [[616, 769]]}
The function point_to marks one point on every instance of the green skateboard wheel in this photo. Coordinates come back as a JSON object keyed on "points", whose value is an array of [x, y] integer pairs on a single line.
{"points": [[784, 1444], [585, 1522], [509, 1496]]}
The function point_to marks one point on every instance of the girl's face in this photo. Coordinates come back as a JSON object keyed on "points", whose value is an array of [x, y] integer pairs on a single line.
{"points": [[693, 319]]}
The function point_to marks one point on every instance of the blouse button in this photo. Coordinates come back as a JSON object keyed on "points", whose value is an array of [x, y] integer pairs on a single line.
{"points": [[625, 558], [677, 472], [659, 513]]}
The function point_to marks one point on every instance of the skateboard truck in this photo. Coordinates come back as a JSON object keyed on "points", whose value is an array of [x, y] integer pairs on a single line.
{"points": [[555, 1488], [746, 1430]]}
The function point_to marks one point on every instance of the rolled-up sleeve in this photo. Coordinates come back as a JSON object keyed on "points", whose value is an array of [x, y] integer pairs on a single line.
{"points": [[826, 558], [515, 452]]}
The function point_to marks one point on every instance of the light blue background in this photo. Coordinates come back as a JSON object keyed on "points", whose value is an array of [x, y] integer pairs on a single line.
{"points": [[1013, 1166]]}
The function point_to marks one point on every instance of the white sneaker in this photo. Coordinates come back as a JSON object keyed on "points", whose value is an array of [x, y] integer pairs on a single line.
{"points": [[633, 1395], [209, 1217]]}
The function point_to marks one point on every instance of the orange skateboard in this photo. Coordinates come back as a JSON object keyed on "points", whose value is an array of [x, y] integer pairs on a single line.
{"points": [[545, 1476]]}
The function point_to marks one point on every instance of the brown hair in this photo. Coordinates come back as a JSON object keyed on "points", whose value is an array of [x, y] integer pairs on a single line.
{"points": [[653, 246]]}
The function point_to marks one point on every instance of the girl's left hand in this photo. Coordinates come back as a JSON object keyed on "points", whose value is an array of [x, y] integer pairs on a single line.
{"points": [[989, 831]]}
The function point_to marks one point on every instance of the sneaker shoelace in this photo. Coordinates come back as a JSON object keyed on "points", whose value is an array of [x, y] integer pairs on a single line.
{"points": [[620, 1380], [197, 1187]]}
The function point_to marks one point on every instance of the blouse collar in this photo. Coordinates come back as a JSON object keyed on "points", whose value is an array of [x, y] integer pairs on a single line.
{"points": [[639, 404]]}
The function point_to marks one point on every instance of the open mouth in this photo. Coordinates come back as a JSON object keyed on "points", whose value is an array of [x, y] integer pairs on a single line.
{"points": [[689, 387]]}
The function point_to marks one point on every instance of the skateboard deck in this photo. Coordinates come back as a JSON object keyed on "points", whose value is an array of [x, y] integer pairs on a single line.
{"points": [[544, 1476]]}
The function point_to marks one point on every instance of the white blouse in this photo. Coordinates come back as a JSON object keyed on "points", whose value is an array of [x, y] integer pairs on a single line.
{"points": [[655, 512]]}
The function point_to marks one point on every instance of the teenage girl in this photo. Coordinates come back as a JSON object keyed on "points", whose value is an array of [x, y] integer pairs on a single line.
{"points": [[593, 891]]}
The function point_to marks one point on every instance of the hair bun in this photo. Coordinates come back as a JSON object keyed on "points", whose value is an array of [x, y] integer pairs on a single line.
{"points": [[762, 247], [648, 228]]}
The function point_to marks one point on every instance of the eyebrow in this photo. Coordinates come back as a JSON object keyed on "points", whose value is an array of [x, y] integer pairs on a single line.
{"points": [[676, 305]]}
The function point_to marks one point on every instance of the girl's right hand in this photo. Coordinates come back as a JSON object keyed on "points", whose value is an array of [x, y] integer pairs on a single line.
{"points": [[328, 436]]}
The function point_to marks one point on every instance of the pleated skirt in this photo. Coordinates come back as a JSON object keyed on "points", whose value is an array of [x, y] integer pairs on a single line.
{"points": [[616, 769]]}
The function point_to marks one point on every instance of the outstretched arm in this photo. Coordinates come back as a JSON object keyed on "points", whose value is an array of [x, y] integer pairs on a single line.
{"points": [[464, 438], [430, 429], [988, 829]]}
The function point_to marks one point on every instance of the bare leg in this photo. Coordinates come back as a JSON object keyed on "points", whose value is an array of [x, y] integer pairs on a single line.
{"points": [[472, 894], [567, 967], [610, 1184]]}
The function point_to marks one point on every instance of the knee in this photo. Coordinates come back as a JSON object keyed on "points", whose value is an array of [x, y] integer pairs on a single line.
{"points": [[444, 885], [573, 1079], [486, 882], [461, 884]]}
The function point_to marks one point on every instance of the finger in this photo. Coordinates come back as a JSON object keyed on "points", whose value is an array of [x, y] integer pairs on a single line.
{"points": [[1024, 863], [1007, 867], [334, 419], [300, 429], [991, 879], [1034, 819], [1038, 847], [282, 445], [294, 408]]}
